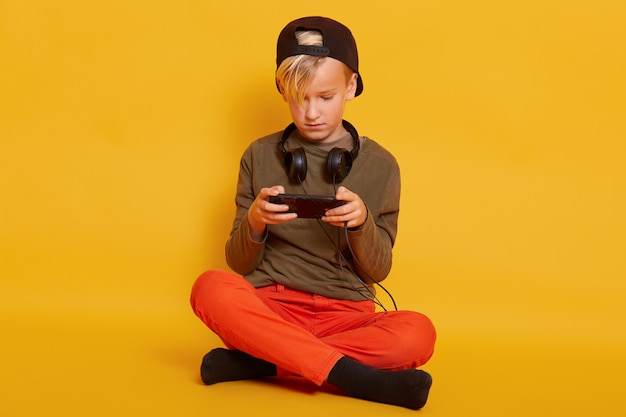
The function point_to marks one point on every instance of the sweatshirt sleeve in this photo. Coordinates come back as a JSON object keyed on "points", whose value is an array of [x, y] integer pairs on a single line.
{"points": [[243, 254], [372, 243], [372, 247]]}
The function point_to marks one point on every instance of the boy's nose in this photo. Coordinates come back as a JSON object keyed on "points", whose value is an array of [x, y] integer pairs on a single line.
{"points": [[311, 111]]}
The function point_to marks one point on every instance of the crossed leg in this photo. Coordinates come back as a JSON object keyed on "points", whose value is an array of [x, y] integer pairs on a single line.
{"points": [[347, 344]]}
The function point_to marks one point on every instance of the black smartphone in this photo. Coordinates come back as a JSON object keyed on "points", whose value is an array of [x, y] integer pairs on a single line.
{"points": [[307, 206]]}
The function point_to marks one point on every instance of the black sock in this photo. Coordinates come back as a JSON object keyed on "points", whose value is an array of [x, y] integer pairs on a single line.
{"points": [[407, 388], [221, 365]]}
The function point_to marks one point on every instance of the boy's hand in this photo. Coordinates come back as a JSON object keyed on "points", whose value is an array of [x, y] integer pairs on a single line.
{"points": [[262, 212], [353, 211]]}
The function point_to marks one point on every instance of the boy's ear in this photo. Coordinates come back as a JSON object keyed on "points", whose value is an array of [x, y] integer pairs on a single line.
{"points": [[351, 93], [281, 89]]}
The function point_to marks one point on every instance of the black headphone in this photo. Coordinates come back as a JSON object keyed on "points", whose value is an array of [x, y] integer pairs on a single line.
{"points": [[339, 160]]}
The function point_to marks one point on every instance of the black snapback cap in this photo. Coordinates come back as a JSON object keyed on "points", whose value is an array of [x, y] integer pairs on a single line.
{"points": [[338, 43]]}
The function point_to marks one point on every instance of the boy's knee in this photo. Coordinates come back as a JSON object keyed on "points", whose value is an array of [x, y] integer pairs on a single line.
{"points": [[210, 286], [427, 336], [425, 326], [419, 336], [216, 295]]}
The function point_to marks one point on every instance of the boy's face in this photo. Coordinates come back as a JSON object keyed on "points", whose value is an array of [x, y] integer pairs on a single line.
{"points": [[319, 117]]}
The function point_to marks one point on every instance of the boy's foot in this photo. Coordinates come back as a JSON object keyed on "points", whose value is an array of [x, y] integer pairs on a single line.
{"points": [[407, 388], [221, 365]]}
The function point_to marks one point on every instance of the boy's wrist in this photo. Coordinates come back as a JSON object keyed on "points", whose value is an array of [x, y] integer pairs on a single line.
{"points": [[360, 227], [256, 230]]}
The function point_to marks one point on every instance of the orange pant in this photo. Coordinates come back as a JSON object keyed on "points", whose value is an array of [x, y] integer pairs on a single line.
{"points": [[306, 334]]}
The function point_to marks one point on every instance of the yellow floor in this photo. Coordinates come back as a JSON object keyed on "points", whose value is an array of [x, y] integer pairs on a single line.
{"points": [[82, 360]]}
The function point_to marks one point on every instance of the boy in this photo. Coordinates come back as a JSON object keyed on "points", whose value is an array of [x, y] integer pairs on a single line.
{"points": [[304, 302]]}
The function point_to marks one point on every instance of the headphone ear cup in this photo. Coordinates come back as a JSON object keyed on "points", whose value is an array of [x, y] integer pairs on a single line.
{"points": [[295, 164], [339, 163]]}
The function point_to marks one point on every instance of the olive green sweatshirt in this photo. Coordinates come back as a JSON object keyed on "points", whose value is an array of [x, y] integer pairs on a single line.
{"points": [[307, 254]]}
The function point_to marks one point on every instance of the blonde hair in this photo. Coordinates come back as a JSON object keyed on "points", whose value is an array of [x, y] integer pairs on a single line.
{"points": [[295, 72]]}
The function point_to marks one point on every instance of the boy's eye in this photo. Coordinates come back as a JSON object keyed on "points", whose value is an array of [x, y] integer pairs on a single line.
{"points": [[327, 97]]}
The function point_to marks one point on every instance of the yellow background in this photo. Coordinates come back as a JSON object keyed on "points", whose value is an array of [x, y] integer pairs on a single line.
{"points": [[121, 128]]}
